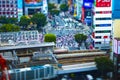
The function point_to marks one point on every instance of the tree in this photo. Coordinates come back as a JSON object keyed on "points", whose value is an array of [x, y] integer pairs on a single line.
{"points": [[64, 7], [54, 12], [50, 38], [51, 6], [12, 20], [39, 19], [79, 38], [9, 28], [104, 65], [3, 20], [24, 22]]}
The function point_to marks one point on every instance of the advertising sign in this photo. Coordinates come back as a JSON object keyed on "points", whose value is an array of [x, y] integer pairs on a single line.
{"points": [[115, 46], [20, 9], [83, 14], [33, 2], [118, 47], [115, 9], [87, 5], [103, 3]]}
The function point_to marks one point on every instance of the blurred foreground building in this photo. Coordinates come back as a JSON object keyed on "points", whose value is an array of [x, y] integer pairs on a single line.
{"points": [[116, 38]]}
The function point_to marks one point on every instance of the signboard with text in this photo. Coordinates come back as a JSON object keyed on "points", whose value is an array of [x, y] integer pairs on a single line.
{"points": [[103, 3], [87, 3], [33, 3]]}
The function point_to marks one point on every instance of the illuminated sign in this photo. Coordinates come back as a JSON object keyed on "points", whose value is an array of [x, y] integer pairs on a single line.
{"points": [[105, 37], [83, 14], [33, 3], [103, 3], [87, 5]]}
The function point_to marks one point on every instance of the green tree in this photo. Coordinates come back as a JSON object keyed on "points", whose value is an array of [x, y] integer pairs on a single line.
{"points": [[3, 20], [24, 22], [64, 7], [50, 38], [79, 38], [9, 28], [40, 20], [104, 65], [12, 20], [54, 12], [51, 6]]}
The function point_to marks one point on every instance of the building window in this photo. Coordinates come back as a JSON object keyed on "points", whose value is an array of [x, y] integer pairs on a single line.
{"points": [[103, 12], [96, 47], [105, 31], [97, 42], [103, 25], [107, 18], [98, 37]]}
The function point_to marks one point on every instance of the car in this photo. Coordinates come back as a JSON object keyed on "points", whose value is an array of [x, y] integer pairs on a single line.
{"points": [[89, 77], [99, 79]]}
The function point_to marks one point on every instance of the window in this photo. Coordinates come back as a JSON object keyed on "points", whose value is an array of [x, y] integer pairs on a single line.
{"points": [[103, 25], [97, 37], [96, 47], [105, 31], [107, 18], [97, 42], [103, 12]]}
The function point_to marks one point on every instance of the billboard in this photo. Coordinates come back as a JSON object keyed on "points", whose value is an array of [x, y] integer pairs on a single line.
{"points": [[103, 3], [30, 3], [87, 3], [117, 46], [115, 9], [83, 15], [20, 9]]}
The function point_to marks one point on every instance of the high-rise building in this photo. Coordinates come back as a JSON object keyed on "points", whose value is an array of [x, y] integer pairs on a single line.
{"points": [[11, 8], [87, 14], [102, 24]]}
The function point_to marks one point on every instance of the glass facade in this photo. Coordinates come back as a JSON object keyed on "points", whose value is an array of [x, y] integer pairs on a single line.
{"points": [[115, 9], [8, 8]]}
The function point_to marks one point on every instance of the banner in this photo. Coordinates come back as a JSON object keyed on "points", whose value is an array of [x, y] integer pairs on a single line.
{"points": [[103, 3]]}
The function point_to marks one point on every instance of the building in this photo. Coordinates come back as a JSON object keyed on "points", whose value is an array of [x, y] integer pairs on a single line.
{"points": [[115, 9], [35, 6], [11, 8], [102, 24], [87, 12], [116, 58], [16, 8], [116, 38]]}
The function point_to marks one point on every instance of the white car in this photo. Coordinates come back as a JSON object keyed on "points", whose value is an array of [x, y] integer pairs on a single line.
{"points": [[89, 77]]}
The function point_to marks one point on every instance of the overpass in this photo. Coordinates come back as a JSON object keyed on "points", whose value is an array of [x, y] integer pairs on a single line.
{"points": [[77, 61], [77, 68]]}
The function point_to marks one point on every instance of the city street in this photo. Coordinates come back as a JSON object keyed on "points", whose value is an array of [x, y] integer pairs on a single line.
{"points": [[65, 28]]}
